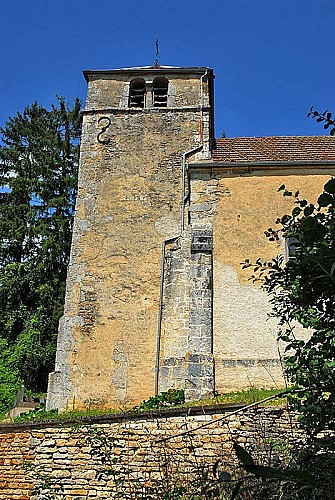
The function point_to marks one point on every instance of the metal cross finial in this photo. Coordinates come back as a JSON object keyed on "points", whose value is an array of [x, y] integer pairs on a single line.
{"points": [[157, 53]]}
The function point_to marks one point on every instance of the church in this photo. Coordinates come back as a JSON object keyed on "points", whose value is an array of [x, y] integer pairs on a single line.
{"points": [[166, 213]]}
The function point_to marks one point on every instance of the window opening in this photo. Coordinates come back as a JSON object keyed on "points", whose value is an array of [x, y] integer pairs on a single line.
{"points": [[291, 247], [160, 92], [137, 93]]}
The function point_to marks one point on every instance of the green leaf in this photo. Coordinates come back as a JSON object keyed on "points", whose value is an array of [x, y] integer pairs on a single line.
{"points": [[236, 490], [309, 210], [296, 211], [329, 187], [264, 472], [300, 475], [325, 199], [308, 223], [271, 473], [243, 455], [326, 442]]}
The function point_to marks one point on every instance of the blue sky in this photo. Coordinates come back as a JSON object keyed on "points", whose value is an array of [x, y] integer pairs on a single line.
{"points": [[273, 59]]}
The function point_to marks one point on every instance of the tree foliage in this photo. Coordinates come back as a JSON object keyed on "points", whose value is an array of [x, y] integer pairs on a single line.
{"points": [[38, 177], [302, 290], [325, 118]]}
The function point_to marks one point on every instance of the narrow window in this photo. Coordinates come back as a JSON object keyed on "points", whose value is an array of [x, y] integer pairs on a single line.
{"points": [[160, 92], [137, 93], [291, 247]]}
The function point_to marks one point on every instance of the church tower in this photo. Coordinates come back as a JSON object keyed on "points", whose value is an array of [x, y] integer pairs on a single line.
{"points": [[120, 338]]}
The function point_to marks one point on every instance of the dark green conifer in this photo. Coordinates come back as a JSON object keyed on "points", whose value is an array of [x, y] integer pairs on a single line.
{"points": [[39, 157]]}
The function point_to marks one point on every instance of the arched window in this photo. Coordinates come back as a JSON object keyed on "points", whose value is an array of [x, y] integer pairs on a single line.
{"points": [[137, 93], [160, 92]]}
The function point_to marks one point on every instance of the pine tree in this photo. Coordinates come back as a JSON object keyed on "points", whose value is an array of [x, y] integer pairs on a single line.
{"points": [[38, 177]]}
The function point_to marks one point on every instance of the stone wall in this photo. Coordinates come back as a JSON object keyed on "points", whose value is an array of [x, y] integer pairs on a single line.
{"points": [[187, 333], [124, 456], [129, 202], [16, 454], [239, 204], [146, 182]]}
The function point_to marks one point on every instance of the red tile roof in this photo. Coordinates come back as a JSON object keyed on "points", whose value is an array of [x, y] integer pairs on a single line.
{"points": [[276, 149]]}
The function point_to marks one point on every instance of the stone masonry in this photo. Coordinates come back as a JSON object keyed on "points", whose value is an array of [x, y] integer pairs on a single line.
{"points": [[187, 340], [129, 202], [239, 204], [156, 296], [125, 456]]}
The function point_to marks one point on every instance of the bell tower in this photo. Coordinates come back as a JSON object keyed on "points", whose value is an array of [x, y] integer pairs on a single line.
{"points": [[140, 126]]}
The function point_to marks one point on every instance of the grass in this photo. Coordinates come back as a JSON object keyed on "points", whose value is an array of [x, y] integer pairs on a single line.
{"points": [[40, 414], [248, 396]]}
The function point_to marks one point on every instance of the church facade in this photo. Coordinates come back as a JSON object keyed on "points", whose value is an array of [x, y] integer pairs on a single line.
{"points": [[156, 296]]}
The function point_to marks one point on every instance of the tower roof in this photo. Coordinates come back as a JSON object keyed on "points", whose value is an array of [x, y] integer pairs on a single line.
{"points": [[138, 70]]}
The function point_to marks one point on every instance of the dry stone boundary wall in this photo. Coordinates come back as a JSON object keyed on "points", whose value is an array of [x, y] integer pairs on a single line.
{"points": [[121, 456]]}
